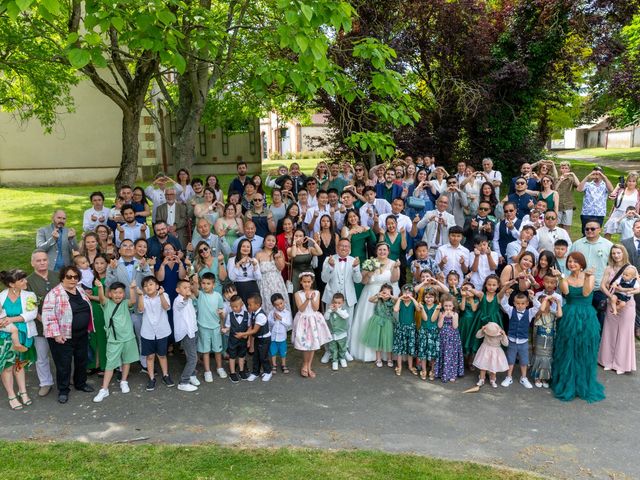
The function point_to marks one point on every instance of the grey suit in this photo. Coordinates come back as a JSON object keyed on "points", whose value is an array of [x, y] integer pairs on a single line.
{"points": [[632, 249], [119, 274], [46, 242], [181, 218]]}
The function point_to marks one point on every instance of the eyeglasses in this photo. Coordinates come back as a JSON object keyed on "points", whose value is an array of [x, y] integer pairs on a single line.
{"points": [[509, 211], [71, 277], [549, 218], [590, 229], [203, 249], [257, 199], [484, 209], [520, 183], [359, 169]]}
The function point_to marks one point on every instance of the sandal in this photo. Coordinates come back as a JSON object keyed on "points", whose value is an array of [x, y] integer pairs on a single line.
{"points": [[399, 371], [285, 369], [423, 374], [15, 407], [312, 374], [26, 402], [432, 376], [304, 373], [379, 363], [413, 370]]}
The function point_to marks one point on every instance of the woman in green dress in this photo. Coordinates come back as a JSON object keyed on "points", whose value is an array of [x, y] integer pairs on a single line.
{"points": [[229, 225], [488, 308], [362, 238], [396, 240], [20, 308], [575, 354], [98, 338], [548, 194]]}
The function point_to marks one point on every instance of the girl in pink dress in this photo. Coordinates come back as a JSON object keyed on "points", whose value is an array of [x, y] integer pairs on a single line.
{"points": [[490, 356], [310, 330]]}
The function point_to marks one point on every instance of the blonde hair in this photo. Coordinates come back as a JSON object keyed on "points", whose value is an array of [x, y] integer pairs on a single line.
{"points": [[625, 254]]}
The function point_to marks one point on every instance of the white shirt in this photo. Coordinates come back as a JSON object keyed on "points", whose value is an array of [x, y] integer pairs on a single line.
{"points": [[403, 222], [185, 323], [280, 327], [239, 274], [260, 318], [514, 248], [497, 176], [102, 216], [156, 195], [556, 295], [171, 214], [309, 215], [478, 278], [453, 259], [431, 232], [546, 237], [155, 321], [508, 309], [379, 205], [132, 233]]}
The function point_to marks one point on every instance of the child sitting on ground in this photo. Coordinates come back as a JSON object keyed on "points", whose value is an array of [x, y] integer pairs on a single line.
{"points": [[122, 345], [337, 320], [280, 321]]}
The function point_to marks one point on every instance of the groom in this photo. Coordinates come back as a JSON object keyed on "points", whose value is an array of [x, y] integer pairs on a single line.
{"points": [[340, 272]]}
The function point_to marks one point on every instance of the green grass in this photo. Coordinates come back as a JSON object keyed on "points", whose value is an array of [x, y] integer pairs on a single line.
{"points": [[26, 209], [307, 165], [32, 460], [605, 153]]}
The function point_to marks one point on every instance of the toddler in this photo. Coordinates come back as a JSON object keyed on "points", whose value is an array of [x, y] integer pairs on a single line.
{"points": [[280, 322], [337, 319], [237, 323], [545, 327], [86, 272], [490, 356], [627, 281]]}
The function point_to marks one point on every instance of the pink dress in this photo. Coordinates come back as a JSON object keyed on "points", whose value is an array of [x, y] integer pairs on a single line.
{"points": [[310, 330], [490, 355], [617, 344]]}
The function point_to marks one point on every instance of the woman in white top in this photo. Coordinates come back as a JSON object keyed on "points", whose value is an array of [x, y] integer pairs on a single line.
{"points": [[213, 183], [439, 179], [244, 271], [183, 177], [210, 208], [624, 195]]}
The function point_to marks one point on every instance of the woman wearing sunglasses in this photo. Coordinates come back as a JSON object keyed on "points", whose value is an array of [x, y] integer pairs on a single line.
{"points": [[67, 321]]}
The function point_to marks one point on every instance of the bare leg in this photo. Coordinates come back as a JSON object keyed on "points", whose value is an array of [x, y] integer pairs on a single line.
{"points": [[206, 360], [164, 365], [125, 371], [7, 382], [232, 365], [218, 357], [106, 380], [22, 385], [312, 374], [151, 364]]}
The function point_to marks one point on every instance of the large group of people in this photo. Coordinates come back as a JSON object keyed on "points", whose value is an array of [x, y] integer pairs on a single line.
{"points": [[429, 272]]}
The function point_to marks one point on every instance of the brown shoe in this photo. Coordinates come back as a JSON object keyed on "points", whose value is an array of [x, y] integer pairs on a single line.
{"points": [[44, 391]]}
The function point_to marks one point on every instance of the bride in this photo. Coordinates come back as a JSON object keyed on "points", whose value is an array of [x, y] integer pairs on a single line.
{"points": [[389, 272]]}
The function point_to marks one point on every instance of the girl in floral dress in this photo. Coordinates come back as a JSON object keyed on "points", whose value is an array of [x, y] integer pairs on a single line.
{"points": [[310, 330], [450, 364], [428, 336], [404, 333]]}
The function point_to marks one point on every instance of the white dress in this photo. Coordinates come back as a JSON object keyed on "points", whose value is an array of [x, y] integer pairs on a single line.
{"points": [[364, 311], [613, 224]]}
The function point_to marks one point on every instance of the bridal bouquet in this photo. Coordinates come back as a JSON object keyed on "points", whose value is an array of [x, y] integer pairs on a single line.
{"points": [[371, 265]]}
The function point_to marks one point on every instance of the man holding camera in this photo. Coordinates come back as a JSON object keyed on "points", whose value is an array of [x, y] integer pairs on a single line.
{"points": [[596, 187]]}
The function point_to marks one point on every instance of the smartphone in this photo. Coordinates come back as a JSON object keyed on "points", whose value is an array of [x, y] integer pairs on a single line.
{"points": [[621, 181]]}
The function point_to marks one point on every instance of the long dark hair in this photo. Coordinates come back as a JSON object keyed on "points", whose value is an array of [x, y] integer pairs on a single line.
{"points": [[493, 200], [239, 249]]}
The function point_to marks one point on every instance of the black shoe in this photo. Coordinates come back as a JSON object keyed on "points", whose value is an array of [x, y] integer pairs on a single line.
{"points": [[244, 375], [62, 398], [86, 388], [151, 385], [234, 377], [167, 381]]}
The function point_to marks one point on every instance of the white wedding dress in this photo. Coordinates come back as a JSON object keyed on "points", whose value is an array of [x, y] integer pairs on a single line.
{"points": [[364, 311]]}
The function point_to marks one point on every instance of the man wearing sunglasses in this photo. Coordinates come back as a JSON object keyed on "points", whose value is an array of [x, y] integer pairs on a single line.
{"points": [[523, 200], [260, 216], [525, 172], [506, 231], [479, 224], [551, 232], [596, 251]]}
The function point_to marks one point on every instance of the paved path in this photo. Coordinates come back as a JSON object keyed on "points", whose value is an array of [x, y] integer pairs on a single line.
{"points": [[363, 407], [624, 165]]}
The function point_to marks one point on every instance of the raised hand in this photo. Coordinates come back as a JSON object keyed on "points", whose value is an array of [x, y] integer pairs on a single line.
{"points": [[331, 261], [356, 262], [72, 233]]}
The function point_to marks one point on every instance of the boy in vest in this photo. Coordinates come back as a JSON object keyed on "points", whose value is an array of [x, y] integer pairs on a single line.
{"points": [[336, 317], [520, 316], [122, 346], [236, 324], [185, 329], [262, 338]]}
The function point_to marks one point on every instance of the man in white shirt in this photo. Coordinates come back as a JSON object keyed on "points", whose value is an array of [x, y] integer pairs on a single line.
{"points": [[373, 208], [249, 234], [516, 248], [453, 256], [461, 174], [348, 198], [482, 261], [155, 191], [404, 222], [174, 215], [494, 176], [314, 214], [312, 190], [548, 234], [437, 223], [97, 214]]}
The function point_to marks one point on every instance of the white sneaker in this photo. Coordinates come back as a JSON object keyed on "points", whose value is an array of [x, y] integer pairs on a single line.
{"points": [[538, 383], [266, 377], [507, 382], [334, 366], [208, 377], [326, 357], [187, 387], [493, 383], [348, 357], [480, 382], [221, 373], [343, 363], [524, 381], [102, 394], [124, 386], [545, 385], [251, 377], [193, 380]]}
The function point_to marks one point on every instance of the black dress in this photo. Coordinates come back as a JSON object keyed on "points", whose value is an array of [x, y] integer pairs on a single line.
{"points": [[327, 251]]}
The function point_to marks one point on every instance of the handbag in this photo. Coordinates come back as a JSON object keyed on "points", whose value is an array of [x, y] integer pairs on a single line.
{"points": [[416, 203]]}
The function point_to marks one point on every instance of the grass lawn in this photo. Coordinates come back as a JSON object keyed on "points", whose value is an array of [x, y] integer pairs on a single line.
{"points": [[606, 153], [307, 165], [26, 209], [34, 460]]}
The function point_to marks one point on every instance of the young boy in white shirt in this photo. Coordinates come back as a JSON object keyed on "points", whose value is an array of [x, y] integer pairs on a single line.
{"points": [[483, 261], [185, 329], [262, 338], [337, 320], [155, 331], [210, 310], [280, 322]]}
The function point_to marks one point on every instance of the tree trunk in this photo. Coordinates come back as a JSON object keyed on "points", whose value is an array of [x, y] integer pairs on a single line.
{"points": [[130, 146], [192, 95]]}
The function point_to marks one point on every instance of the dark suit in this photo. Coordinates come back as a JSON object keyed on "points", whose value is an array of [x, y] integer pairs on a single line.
{"points": [[181, 217], [631, 244], [470, 234]]}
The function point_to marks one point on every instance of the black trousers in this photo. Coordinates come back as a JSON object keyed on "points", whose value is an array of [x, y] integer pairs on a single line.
{"points": [[74, 349], [598, 297], [261, 356]]}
